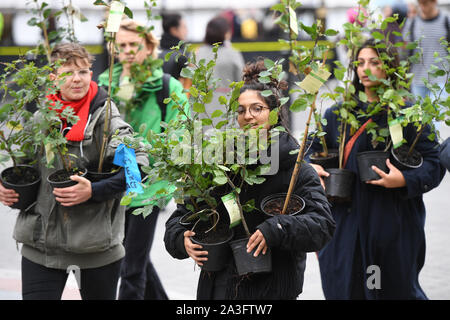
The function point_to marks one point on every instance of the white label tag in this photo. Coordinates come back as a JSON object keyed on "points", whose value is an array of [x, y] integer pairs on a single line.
{"points": [[115, 16], [232, 207], [396, 131]]}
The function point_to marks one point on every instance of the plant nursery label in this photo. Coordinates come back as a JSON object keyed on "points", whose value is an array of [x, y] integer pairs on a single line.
{"points": [[293, 21], [126, 158], [396, 131], [126, 89], [115, 16], [314, 80], [232, 207]]}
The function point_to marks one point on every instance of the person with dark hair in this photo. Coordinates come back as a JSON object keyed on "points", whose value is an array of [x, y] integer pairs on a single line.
{"points": [[378, 248], [289, 237], [139, 279], [174, 30], [81, 226], [229, 63]]}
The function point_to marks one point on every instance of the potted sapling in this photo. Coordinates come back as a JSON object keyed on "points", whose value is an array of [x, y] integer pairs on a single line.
{"points": [[423, 114], [303, 62], [17, 131]]}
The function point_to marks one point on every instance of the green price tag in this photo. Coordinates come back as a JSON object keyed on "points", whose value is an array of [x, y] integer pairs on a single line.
{"points": [[232, 207]]}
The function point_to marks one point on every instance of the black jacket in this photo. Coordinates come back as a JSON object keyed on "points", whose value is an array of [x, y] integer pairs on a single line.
{"points": [[289, 237], [177, 62]]}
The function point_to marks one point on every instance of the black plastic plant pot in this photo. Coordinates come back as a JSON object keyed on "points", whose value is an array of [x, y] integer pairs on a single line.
{"points": [[25, 182], [219, 254], [339, 184], [331, 161], [61, 178], [368, 159], [273, 204], [108, 171], [245, 261], [400, 159]]}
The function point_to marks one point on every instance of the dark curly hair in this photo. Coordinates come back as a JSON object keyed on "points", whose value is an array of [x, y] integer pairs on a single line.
{"points": [[250, 76]]}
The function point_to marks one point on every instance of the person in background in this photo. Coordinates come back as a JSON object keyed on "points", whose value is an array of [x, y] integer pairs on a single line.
{"points": [[81, 225], [229, 63], [174, 31], [428, 26], [139, 279]]}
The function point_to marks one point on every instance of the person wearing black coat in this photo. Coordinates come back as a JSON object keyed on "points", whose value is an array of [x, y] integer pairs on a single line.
{"points": [[444, 154], [382, 229], [289, 237]]}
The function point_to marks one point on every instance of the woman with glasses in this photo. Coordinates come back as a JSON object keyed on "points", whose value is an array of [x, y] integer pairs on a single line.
{"points": [[289, 237], [80, 227]]}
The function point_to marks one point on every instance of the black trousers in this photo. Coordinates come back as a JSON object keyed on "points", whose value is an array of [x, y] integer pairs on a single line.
{"points": [[42, 283], [139, 280]]}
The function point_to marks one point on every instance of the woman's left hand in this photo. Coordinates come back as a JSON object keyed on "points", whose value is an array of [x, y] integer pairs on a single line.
{"points": [[393, 179], [257, 239], [76, 194]]}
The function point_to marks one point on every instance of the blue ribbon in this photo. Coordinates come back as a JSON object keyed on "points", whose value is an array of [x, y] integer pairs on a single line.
{"points": [[126, 158]]}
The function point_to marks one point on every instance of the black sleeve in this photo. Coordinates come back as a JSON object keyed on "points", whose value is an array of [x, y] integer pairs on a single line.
{"points": [[308, 231], [108, 188], [174, 234]]}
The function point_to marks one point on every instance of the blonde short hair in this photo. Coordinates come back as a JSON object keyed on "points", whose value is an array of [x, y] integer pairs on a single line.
{"points": [[150, 39]]}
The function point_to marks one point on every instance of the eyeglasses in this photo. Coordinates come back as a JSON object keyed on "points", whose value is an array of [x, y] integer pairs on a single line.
{"points": [[255, 110], [71, 73]]}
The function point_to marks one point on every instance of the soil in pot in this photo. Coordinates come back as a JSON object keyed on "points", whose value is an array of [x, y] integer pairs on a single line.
{"points": [[108, 170], [273, 204], [61, 178], [25, 180], [368, 159], [246, 263], [215, 242], [402, 161], [330, 161], [339, 185]]}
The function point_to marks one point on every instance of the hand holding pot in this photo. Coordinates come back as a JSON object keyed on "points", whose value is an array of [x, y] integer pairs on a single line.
{"points": [[257, 240], [76, 194], [393, 179], [192, 249], [321, 172], [8, 196]]}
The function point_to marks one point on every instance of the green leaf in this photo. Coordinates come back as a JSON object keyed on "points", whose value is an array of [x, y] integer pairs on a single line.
{"points": [[198, 107], [216, 113], [100, 3], [126, 200], [299, 104], [331, 32], [273, 117], [206, 122], [266, 93], [377, 35], [128, 12], [362, 96], [223, 100]]}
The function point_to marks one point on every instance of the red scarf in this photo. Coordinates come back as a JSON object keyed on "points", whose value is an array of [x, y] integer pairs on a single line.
{"points": [[81, 109]]}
